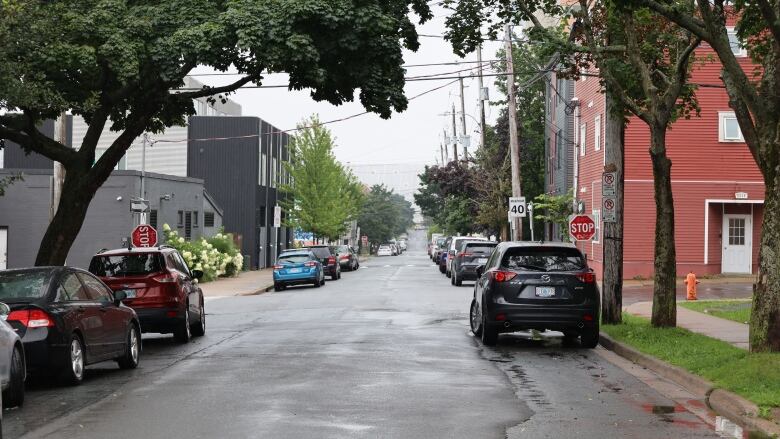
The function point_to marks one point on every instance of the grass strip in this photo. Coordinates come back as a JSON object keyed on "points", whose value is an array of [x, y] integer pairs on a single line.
{"points": [[755, 377], [736, 310]]}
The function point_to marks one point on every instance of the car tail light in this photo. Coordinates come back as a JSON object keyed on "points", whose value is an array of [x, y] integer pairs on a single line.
{"points": [[587, 278], [31, 318], [331, 260], [166, 278], [278, 267], [503, 276], [345, 258], [310, 264], [464, 254]]}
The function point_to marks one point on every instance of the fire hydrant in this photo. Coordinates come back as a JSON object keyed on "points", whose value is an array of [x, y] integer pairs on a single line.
{"points": [[691, 282]]}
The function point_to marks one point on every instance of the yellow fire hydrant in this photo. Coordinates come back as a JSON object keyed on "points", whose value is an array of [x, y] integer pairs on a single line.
{"points": [[691, 282]]}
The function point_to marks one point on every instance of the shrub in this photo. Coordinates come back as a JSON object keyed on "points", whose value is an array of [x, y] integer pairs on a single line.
{"points": [[216, 256]]}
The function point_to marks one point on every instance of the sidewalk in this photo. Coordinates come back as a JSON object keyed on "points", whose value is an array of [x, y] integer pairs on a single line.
{"points": [[715, 327], [246, 283]]}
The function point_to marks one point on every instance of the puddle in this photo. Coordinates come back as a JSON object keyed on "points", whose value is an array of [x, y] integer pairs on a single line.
{"points": [[662, 409]]}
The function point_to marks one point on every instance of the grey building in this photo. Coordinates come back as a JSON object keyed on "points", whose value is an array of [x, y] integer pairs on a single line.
{"points": [[240, 159], [560, 139], [180, 202]]}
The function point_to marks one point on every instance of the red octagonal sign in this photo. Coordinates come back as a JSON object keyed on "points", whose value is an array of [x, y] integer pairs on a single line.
{"points": [[582, 227], [144, 236]]}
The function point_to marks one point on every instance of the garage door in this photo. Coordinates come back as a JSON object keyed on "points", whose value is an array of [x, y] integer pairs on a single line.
{"points": [[3, 247]]}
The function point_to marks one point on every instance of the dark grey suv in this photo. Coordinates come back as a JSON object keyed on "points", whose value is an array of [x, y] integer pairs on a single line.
{"points": [[536, 286], [470, 256]]}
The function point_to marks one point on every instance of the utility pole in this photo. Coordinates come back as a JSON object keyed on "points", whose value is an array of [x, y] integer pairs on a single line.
{"points": [[145, 138], [514, 148], [58, 179], [454, 136], [615, 129], [446, 150], [482, 98], [463, 120], [441, 147]]}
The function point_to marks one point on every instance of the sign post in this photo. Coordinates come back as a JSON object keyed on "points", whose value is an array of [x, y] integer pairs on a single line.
{"points": [[144, 236], [582, 227]]}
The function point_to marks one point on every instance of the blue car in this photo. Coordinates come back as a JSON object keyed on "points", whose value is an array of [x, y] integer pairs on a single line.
{"points": [[298, 268]]}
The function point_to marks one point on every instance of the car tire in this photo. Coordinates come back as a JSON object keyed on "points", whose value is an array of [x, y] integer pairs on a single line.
{"points": [[339, 275], [458, 281], [278, 287], [475, 319], [442, 269], [452, 280], [13, 396], [489, 333], [199, 329], [73, 370], [448, 273], [132, 355], [182, 333], [589, 338]]}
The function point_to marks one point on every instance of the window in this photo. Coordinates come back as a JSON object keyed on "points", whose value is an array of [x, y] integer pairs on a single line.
{"points": [[95, 289], [187, 225], [195, 219], [208, 219], [153, 218], [274, 165], [597, 220], [71, 288], [559, 88], [180, 218], [558, 149], [543, 259], [262, 177], [597, 133], [736, 231], [736, 46], [583, 131], [729, 130], [30, 285]]}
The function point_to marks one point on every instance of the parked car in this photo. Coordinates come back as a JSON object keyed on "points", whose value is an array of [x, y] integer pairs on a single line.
{"points": [[536, 286], [347, 257], [470, 255], [402, 244], [444, 254], [453, 248], [432, 244], [159, 286], [298, 268], [328, 260], [384, 250], [13, 371], [67, 319]]}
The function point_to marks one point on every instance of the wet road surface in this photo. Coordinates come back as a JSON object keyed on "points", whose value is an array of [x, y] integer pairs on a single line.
{"points": [[383, 352]]}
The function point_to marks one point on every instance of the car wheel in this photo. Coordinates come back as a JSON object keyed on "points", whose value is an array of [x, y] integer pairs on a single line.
{"points": [[452, 280], [199, 328], [278, 287], [339, 274], [458, 281], [334, 276], [442, 269], [182, 333], [589, 338], [489, 333], [132, 353], [13, 396], [475, 319], [73, 372]]}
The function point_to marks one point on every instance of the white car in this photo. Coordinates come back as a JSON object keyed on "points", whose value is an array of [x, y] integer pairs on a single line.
{"points": [[384, 250], [13, 369]]}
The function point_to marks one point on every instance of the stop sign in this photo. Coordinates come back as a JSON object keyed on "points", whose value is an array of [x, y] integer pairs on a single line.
{"points": [[582, 227], [144, 236]]}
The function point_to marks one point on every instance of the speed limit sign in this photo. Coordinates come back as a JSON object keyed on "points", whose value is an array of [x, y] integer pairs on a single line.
{"points": [[517, 207]]}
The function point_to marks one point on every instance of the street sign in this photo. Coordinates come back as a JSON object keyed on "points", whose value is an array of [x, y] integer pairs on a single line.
{"points": [[277, 216], [609, 184], [144, 236], [139, 205], [582, 227], [517, 207], [609, 209]]}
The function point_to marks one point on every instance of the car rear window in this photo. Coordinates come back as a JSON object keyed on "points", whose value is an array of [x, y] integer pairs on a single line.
{"points": [[26, 285], [440, 242], [320, 252], [480, 247], [293, 259], [544, 259], [136, 264]]}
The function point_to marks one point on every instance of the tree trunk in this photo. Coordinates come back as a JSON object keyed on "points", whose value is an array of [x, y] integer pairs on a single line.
{"points": [[66, 224], [612, 303], [665, 264], [765, 317]]}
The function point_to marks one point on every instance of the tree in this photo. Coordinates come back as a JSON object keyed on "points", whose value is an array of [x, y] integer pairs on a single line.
{"points": [[405, 213], [122, 65], [754, 97], [322, 196], [381, 215], [447, 195], [555, 209]]}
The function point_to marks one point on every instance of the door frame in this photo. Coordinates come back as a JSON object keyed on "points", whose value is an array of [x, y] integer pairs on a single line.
{"points": [[707, 203], [748, 239]]}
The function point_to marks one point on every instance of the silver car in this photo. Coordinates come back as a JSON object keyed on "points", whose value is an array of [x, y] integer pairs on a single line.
{"points": [[13, 370]]}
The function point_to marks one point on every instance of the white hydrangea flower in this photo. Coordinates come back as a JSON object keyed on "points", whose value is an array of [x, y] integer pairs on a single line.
{"points": [[166, 227]]}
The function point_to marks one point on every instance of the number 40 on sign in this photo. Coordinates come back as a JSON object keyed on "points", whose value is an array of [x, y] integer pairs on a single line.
{"points": [[517, 207]]}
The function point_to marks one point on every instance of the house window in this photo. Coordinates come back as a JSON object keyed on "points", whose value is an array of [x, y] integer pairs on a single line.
{"points": [[729, 130], [188, 226], [558, 149], [208, 219], [559, 88], [180, 218], [736, 47], [153, 218], [597, 133], [195, 219], [597, 220], [583, 130], [262, 179]]}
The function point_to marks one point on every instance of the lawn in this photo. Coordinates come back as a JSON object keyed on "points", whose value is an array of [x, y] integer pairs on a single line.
{"points": [[753, 376], [736, 310]]}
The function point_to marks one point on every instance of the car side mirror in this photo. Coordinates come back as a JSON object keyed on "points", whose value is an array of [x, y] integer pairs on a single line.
{"points": [[480, 271], [119, 296], [4, 310], [197, 274]]}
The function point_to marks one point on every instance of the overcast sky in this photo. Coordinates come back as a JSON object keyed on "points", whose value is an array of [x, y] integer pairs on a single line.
{"points": [[410, 138]]}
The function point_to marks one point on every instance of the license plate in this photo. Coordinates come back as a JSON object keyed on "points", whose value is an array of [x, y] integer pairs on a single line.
{"points": [[295, 270], [130, 294], [545, 291], [482, 261]]}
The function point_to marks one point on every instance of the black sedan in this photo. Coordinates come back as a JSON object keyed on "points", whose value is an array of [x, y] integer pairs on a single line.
{"points": [[536, 286], [67, 318]]}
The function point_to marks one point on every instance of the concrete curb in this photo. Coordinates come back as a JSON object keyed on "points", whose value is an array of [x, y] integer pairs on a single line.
{"points": [[722, 402]]}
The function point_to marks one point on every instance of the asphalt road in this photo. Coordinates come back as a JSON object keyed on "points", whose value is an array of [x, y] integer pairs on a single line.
{"points": [[384, 352]]}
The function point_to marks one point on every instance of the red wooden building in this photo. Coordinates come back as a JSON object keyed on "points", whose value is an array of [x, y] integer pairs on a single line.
{"points": [[718, 189]]}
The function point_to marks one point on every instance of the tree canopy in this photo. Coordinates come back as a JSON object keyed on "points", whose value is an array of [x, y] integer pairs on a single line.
{"points": [[384, 215]]}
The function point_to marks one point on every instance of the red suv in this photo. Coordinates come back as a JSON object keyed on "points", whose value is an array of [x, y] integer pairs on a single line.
{"points": [[159, 287]]}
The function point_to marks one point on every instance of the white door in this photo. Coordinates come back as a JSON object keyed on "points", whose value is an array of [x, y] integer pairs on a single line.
{"points": [[737, 244], [3, 248]]}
